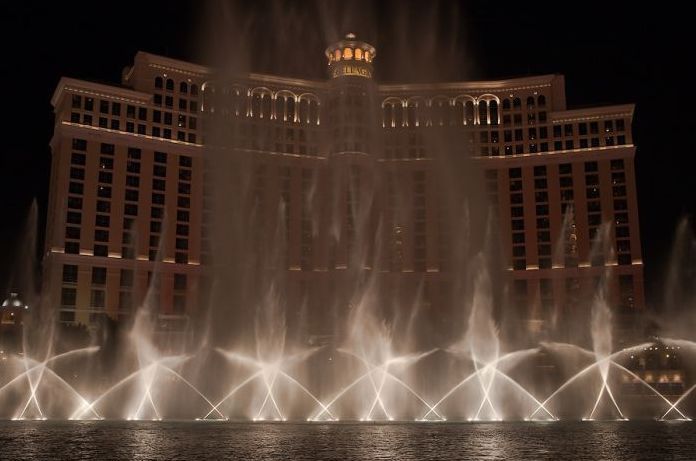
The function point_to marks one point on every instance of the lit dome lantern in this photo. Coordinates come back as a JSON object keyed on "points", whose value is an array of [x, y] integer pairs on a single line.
{"points": [[350, 57], [13, 302]]}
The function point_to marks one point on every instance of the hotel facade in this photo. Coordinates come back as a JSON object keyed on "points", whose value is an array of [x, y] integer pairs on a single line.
{"points": [[129, 196]]}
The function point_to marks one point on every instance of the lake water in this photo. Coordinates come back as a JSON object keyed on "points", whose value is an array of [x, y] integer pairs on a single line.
{"points": [[127, 440]]}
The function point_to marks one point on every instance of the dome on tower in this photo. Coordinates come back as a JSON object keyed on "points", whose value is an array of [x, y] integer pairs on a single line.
{"points": [[350, 57]]}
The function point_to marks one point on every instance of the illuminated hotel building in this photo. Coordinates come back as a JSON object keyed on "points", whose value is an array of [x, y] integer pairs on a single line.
{"points": [[127, 193]]}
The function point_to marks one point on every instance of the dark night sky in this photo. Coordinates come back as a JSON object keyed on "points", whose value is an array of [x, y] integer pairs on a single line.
{"points": [[610, 53]]}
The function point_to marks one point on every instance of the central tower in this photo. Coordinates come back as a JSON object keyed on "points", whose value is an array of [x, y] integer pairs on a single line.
{"points": [[353, 150]]}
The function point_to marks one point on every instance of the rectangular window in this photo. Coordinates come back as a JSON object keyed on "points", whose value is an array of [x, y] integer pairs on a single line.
{"points": [[130, 209], [69, 273], [68, 297], [102, 220], [182, 216], [158, 184], [98, 275], [103, 206], [132, 195], [72, 248], [101, 235], [132, 181], [75, 203], [79, 144], [184, 188], [107, 149], [104, 106], [72, 233], [183, 202], [157, 212], [74, 217], [97, 299], [76, 188], [617, 164], [126, 278], [155, 226], [159, 170], [105, 177]]}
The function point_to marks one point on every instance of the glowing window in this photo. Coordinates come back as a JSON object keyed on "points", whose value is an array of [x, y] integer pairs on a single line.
{"points": [[358, 54], [348, 53], [337, 55], [368, 56]]}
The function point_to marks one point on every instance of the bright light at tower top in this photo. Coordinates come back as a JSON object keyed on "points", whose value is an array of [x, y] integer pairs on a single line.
{"points": [[350, 57]]}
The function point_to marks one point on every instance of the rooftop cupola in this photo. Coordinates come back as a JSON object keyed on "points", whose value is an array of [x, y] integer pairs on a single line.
{"points": [[350, 57]]}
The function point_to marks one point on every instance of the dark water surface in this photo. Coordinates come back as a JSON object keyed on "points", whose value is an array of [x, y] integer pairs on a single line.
{"points": [[103, 440]]}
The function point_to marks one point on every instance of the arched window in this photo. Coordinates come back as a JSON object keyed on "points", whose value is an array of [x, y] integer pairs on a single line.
{"points": [[260, 103], [194, 90], [506, 104], [541, 100], [183, 87], [412, 114], [348, 53], [337, 55], [308, 108], [158, 82], [285, 106], [358, 54], [290, 109], [483, 112], [170, 84], [493, 112], [469, 113], [516, 103], [439, 111], [368, 56], [237, 101], [530, 101], [208, 97]]}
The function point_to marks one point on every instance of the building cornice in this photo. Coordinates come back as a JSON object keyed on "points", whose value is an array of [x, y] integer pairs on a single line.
{"points": [[100, 90], [173, 65], [561, 156], [512, 84], [132, 139], [204, 72], [593, 113]]}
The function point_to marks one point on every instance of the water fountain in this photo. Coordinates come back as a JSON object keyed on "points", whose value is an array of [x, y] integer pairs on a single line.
{"points": [[253, 361]]}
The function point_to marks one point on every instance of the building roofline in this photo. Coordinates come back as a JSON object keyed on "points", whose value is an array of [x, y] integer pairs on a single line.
{"points": [[84, 86], [593, 112], [175, 65], [510, 84]]}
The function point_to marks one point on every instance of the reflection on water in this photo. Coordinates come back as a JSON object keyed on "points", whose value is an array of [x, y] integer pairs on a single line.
{"points": [[213, 441]]}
